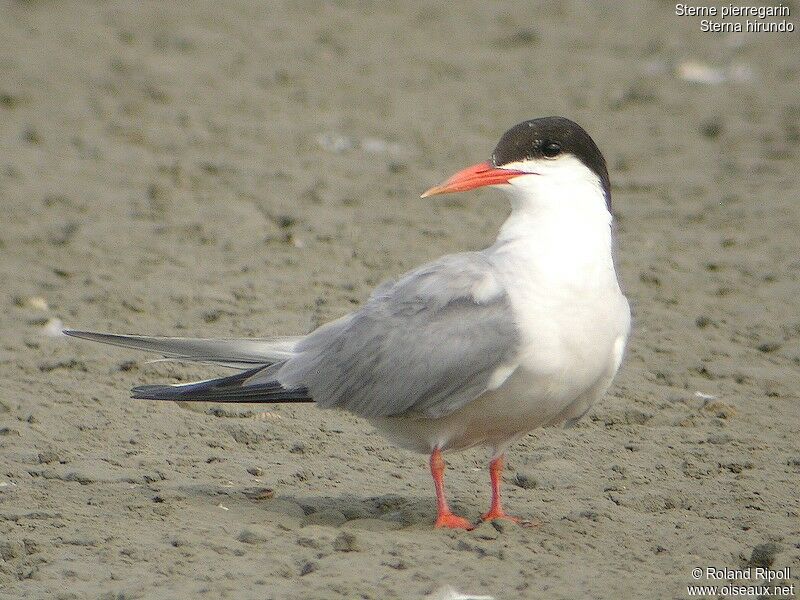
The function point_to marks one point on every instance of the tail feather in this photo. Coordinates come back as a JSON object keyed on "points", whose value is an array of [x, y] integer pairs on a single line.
{"points": [[234, 388], [236, 353], [256, 357]]}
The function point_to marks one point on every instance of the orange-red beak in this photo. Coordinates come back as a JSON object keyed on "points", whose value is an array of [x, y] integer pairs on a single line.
{"points": [[476, 176]]}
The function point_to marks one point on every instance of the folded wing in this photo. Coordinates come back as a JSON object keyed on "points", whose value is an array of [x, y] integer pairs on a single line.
{"points": [[426, 344]]}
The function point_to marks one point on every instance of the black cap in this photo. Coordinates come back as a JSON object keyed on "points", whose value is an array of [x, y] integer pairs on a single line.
{"points": [[548, 137]]}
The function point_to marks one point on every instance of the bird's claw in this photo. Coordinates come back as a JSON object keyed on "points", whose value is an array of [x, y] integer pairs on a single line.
{"points": [[496, 514], [451, 521]]}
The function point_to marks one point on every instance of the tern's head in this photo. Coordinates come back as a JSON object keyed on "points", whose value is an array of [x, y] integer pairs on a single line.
{"points": [[542, 159]]}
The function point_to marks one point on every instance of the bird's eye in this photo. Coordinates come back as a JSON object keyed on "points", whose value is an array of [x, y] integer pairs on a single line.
{"points": [[551, 149]]}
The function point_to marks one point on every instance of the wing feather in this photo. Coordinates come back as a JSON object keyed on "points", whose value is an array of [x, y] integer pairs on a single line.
{"points": [[235, 388], [426, 344]]}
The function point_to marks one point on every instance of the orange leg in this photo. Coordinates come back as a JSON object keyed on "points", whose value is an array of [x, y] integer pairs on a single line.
{"points": [[445, 517], [496, 511]]}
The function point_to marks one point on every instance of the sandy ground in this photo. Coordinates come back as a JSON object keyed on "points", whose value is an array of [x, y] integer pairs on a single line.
{"points": [[253, 169]]}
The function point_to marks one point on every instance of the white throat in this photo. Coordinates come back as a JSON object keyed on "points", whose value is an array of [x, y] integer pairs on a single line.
{"points": [[559, 225]]}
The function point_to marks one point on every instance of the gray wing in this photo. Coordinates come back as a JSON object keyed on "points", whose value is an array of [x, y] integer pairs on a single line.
{"points": [[426, 344], [236, 353]]}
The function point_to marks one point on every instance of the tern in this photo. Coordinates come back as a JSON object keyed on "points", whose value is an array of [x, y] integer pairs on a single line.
{"points": [[472, 349]]}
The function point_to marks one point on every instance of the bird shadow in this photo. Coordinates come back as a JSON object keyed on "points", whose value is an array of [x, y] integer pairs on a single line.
{"points": [[387, 511]]}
